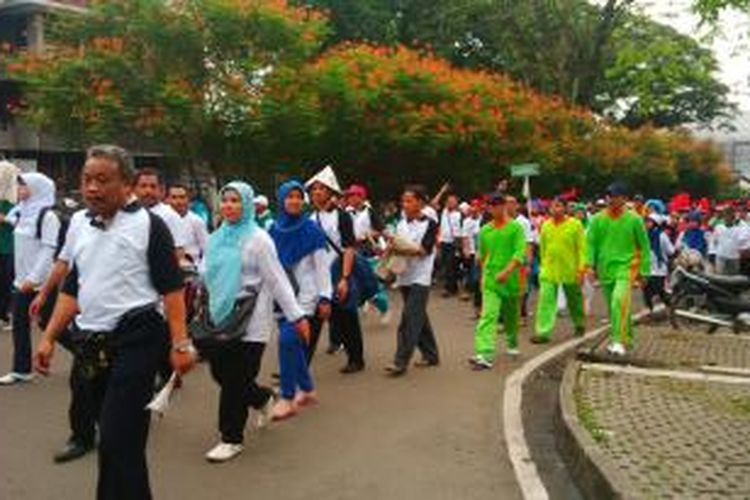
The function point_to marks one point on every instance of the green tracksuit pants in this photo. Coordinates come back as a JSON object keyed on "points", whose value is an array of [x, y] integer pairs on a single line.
{"points": [[547, 307], [493, 305], [618, 296]]}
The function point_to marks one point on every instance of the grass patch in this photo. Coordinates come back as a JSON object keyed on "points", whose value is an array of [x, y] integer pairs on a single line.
{"points": [[587, 418]]}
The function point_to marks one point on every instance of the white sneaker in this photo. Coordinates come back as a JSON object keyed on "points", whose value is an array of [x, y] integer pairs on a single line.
{"points": [[616, 349], [514, 352], [478, 363], [16, 378], [223, 452], [261, 418]]}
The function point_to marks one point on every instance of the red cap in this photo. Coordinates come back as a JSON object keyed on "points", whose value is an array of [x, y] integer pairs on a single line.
{"points": [[357, 190]]}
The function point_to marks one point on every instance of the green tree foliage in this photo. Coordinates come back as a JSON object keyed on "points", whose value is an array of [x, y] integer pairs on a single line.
{"points": [[183, 76], [383, 115], [710, 9], [600, 57], [658, 76], [243, 86]]}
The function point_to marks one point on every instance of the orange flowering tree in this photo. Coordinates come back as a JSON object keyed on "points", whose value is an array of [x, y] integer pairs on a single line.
{"points": [[181, 77], [388, 115]]}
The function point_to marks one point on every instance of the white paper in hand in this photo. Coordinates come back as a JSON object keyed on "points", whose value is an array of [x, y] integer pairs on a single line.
{"points": [[160, 403]]}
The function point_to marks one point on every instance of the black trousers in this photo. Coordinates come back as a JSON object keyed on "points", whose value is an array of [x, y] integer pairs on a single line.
{"points": [[22, 328], [6, 284], [655, 287], [345, 322], [449, 263], [124, 421], [316, 327], [344, 326], [235, 368], [415, 330], [85, 400]]}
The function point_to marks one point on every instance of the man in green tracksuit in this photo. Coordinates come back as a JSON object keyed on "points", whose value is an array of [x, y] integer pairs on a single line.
{"points": [[562, 246], [501, 252], [620, 253]]}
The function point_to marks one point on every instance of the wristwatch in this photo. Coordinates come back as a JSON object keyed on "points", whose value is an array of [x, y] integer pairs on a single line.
{"points": [[184, 346]]}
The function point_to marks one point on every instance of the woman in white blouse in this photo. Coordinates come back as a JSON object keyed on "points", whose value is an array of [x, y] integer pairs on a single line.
{"points": [[241, 259], [35, 237]]}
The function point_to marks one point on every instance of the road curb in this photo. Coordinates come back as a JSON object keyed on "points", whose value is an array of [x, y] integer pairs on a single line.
{"points": [[530, 483], [595, 475]]}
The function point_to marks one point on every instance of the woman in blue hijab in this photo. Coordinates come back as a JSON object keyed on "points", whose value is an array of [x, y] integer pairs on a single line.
{"points": [[301, 245], [241, 260]]}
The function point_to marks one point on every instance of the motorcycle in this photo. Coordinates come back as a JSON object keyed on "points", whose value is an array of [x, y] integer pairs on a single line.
{"points": [[711, 299]]}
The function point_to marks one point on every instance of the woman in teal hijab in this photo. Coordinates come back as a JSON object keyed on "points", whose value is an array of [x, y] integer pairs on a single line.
{"points": [[223, 253], [241, 259]]}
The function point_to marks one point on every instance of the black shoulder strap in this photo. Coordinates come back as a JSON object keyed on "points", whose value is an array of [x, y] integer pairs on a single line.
{"points": [[40, 221], [328, 238]]}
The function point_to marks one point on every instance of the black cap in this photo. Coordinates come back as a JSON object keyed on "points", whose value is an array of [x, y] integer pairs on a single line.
{"points": [[617, 189], [496, 198]]}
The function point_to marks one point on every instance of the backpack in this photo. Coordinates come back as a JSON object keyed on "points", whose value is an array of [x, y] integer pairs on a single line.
{"points": [[64, 214]]}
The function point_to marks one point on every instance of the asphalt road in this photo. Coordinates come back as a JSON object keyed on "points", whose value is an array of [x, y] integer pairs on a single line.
{"points": [[436, 433]]}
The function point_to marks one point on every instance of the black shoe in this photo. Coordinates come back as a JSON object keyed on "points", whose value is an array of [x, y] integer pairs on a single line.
{"points": [[352, 368], [72, 451], [538, 339], [426, 363], [395, 370]]}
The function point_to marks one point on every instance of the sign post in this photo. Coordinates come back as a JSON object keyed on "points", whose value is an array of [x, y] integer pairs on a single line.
{"points": [[525, 170]]}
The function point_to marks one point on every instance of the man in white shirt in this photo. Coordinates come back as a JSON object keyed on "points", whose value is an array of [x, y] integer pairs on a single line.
{"points": [[731, 238], [111, 295], [450, 241], [415, 330], [470, 232], [149, 189], [197, 232]]}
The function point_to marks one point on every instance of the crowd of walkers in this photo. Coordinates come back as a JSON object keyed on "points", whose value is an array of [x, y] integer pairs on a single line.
{"points": [[135, 287]]}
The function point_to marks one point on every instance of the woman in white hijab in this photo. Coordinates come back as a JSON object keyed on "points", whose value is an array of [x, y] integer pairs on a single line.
{"points": [[8, 175], [35, 238]]}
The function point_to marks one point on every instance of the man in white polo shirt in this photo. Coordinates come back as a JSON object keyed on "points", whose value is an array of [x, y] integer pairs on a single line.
{"points": [[122, 265], [197, 232], [149, 189]]}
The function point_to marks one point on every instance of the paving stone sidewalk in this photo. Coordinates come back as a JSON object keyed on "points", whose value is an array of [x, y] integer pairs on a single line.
{"points": [[667, 437], [660, 345]]}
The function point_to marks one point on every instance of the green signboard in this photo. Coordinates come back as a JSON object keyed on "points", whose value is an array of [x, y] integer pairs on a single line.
{"points": [[524, 170]]}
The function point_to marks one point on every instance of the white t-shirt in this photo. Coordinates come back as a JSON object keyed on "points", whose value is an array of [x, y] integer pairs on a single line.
{"points": [[422, 231], [450, 226], [32, 256], [174, 222], [197, 236], [470, 232], [117, 269], [428, 211], [667, 250], [362, 221], [528, 229], [729, 241]]}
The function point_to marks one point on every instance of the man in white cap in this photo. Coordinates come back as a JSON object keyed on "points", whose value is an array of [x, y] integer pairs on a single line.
{"points": [[263, 214], [339, 229]]}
